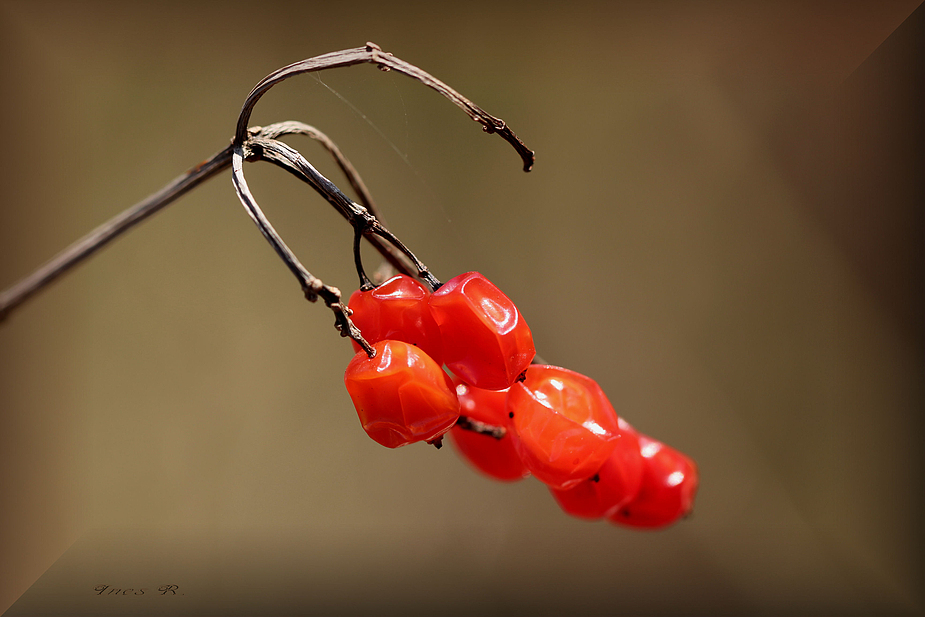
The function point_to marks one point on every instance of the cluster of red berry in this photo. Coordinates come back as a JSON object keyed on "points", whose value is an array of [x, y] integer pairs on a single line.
{"points": [[509, 418]]}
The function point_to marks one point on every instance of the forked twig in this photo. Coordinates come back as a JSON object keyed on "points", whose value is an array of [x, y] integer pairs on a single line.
{"points": [[364, 221], [311, 285], [80, 250], [392, 255], [261, 143]]}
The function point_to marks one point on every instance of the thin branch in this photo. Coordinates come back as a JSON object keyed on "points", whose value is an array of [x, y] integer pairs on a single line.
{"points": [[312, 286], [11, 298], [393, 256], [107, 232], [290, 159], [365, 283], [292, 127], [373, 54]]}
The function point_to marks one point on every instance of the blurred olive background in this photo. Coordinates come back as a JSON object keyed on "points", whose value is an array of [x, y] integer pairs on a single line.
{"points": [[724, 228]]}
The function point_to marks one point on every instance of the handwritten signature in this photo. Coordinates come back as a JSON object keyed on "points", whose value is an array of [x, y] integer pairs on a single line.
{"points": [[163, 590]]}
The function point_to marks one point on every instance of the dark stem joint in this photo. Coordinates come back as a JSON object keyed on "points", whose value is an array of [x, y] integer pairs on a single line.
{"points": [[483, 428]]}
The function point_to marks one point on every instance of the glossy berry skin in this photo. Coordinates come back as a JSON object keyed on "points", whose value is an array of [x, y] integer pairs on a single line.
{"points": [[614, 485], [397, 310], [669, 485], [564, 426], [402, 395], [495, 458], [486, 342]]}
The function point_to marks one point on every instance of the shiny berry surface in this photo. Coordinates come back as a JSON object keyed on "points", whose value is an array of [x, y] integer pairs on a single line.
{"points": [[401, 396], [669, 485], [564, 426], [397, 310], [486, 342], [614, 485], [494, 457]]}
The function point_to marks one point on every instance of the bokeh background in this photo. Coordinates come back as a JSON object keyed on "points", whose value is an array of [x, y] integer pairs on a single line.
{"points": [[724, 228]]}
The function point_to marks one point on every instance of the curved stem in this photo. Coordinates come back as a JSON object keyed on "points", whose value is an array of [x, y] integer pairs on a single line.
{"points": [[312, 286], [293, 127], [392, 255], [290, 159], [80, 250], [365, 283], [284, 155], [375, 227], [373, 54]]}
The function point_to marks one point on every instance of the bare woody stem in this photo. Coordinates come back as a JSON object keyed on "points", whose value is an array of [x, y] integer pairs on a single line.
{"points": [[247, 146], [105, 233], [360, 217], [392, 255], [373, 54], [312, 286], [365, 220], [362, 220], [73, 255]]}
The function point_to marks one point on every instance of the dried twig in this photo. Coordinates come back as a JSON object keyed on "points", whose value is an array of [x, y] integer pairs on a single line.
{"points": [[261, 143], [311, 285], [364, 221], [373, 54], [107, 232], [392, 255]]}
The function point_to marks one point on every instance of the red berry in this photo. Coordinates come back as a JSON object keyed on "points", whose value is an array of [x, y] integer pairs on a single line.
{"points": [[614, 485], [565, 427], [397, 310], [485, 340], [401, 395], [494, 457], [669, 484]]}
